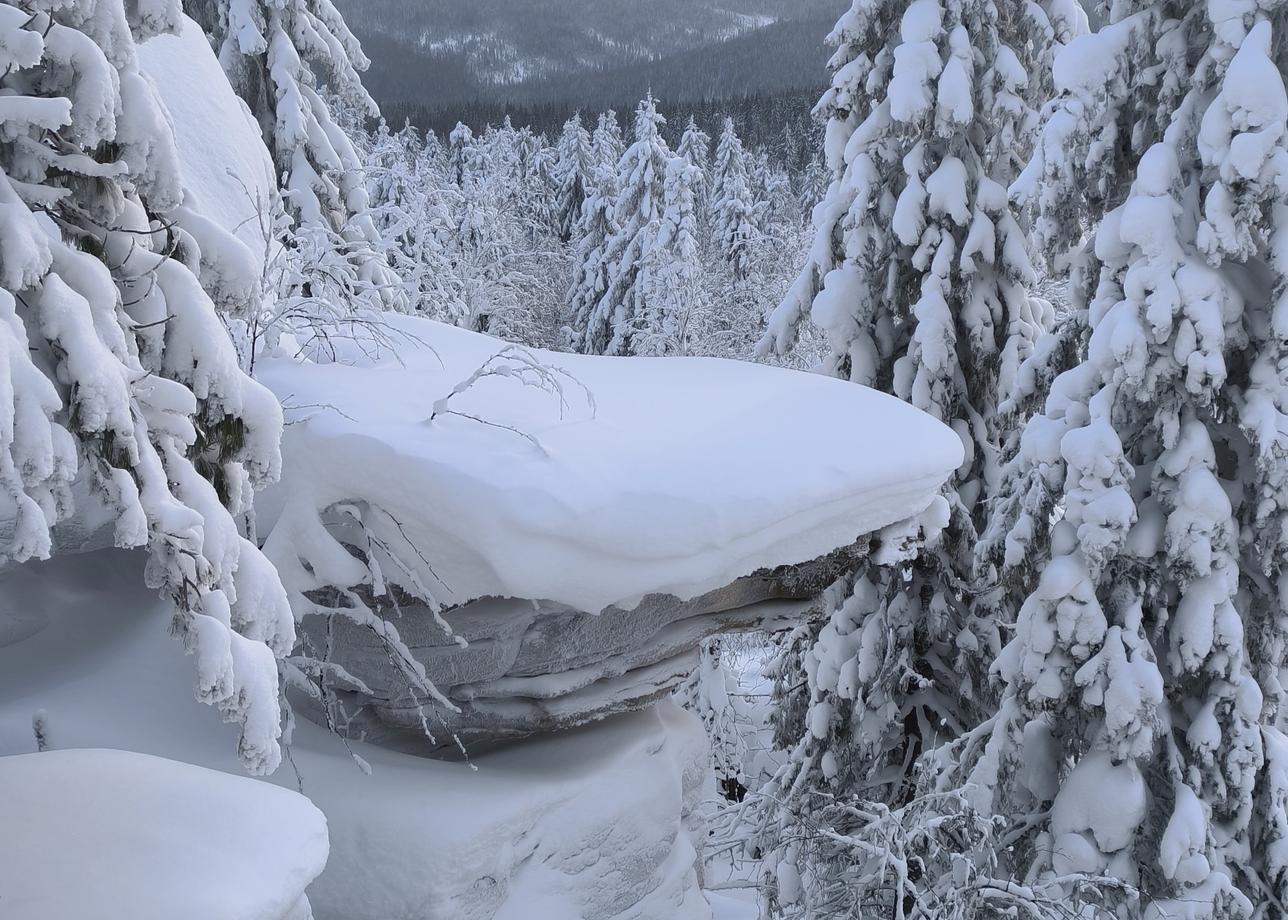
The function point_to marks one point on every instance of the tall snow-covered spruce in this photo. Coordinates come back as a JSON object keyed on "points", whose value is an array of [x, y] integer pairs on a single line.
{"points": [[596, 225], [115, 367], [627, 313], [695, 149], [574, 167], [286, 59], [732, 211], [919, 278], [1138, 754]]}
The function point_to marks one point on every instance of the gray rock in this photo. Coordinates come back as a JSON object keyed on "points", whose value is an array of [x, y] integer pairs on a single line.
{"points": [[528, 667]]}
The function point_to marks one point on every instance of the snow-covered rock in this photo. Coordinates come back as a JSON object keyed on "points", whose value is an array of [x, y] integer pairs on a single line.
{"points": [[103, 834], [584, 533], [596, 823], [682, 475], [532, 667]]}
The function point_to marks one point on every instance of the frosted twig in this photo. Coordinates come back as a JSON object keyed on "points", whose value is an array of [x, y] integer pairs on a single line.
{"points": [[516, 363]]}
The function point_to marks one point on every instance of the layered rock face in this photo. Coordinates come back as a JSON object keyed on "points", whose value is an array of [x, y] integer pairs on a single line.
{"points": [[528, 667]]}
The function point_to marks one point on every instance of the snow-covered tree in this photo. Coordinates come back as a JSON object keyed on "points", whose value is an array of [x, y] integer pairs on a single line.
{"points": [[285, 58], [733, 211], [590, 268], [625, 311], [695, 149], [1139, 741], [918, 277], [771, 190], [459, 144], [672, 266], [412, 215], [607, 140], [573, 170], [709, 695], [508, 269], [116, 368]]}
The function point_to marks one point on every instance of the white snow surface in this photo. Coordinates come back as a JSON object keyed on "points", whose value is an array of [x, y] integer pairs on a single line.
{"points": [[686, 474], [101, 834], [224, 162], [595, 823]]}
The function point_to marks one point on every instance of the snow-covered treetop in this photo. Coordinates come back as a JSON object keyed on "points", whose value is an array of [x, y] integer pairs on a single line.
{"points": [[279, 57]]}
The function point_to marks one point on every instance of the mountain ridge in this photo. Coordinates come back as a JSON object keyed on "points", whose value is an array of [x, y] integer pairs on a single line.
{"points": [[531, 52]]}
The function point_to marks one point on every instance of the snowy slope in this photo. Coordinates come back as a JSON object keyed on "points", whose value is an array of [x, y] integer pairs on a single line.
{"points": [[686, 473], [417, 839], [226, 167], [101, 834]]}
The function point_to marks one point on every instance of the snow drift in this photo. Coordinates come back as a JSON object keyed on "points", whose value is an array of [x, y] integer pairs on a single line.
{"points": [[98, 834]]}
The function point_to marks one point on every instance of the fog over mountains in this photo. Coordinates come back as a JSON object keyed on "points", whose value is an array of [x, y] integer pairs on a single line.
{"points": [[588, 52]]}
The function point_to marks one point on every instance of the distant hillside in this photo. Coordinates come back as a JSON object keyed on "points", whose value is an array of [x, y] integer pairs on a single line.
{"points": [[442, 53]]}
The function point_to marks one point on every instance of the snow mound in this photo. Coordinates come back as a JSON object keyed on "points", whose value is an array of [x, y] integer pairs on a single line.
{"points": [[684, 475], [104, 834], [597, 822], [226, 168]]}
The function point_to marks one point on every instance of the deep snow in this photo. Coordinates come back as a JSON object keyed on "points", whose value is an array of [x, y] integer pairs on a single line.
{"points": [[684, 475], [596, 822], [228, 173], [101, 834]]}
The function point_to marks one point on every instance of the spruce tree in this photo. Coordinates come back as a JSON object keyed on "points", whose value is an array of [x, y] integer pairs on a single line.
{"points": [[918, 278], [286, 58], [1138, 754], [625, 312], [573, 169], [596, 226], [673, 267], [608, 143], [733, 210], [695, 149]]}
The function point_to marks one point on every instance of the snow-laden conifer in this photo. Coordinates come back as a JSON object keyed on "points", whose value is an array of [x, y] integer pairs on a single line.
{"points": [[114, 366], [1138, 753], [286, 58], [695, 149], [732, 208], [624, 312], [918, 278], [572, 172], [672, 269]]}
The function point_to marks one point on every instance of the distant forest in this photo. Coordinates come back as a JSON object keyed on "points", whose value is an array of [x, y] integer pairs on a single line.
{"points": [[767, 79], [780, 124]]}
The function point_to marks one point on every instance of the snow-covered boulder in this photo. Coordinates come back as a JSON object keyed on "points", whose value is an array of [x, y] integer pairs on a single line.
{"points": [[102, 834], [583, 522], [533, 667]]}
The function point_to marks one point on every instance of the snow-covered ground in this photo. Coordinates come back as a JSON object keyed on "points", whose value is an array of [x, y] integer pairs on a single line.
{"points": [[101, 834], [594, 823]]}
